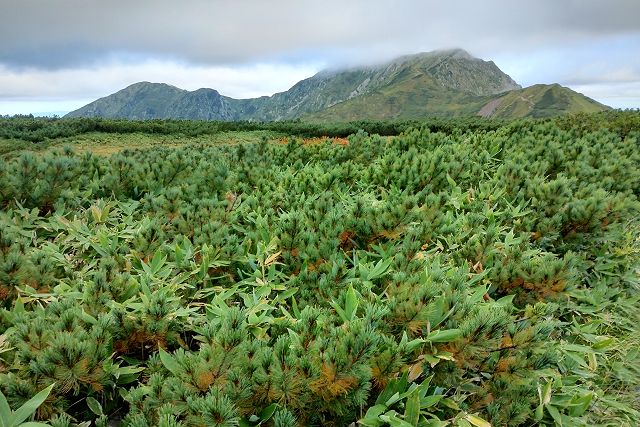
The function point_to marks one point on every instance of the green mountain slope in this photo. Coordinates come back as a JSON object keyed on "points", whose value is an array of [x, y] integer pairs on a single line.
{"points": [[414, 97], [540, 101], [440, 83], [146, 100], [451, 71]]}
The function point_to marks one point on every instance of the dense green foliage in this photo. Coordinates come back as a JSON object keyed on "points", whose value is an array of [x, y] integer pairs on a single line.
{"points": [[39, 129], [433, 278]]}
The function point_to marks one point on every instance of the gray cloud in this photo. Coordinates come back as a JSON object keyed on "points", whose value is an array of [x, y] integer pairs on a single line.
{"points": [[65, 52], [70, 33]]}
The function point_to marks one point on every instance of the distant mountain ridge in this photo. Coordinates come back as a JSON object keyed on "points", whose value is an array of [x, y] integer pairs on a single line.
{"points": [[440, 83]]}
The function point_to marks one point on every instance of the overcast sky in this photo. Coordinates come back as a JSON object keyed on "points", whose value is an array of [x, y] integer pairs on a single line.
{"points": [[57, 55]]}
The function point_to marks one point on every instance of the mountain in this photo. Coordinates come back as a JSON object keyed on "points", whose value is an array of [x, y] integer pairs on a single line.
{"points": [[440, 83], [146, 100], [540, 101]]}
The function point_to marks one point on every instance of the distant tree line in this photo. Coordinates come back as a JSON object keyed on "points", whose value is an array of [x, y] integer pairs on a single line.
{"points": [[38, 129]]}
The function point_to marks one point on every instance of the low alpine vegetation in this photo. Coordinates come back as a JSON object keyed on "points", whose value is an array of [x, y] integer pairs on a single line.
{"points": [[464, 277]]}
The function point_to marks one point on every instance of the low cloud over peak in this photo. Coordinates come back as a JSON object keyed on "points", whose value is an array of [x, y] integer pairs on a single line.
{"points": [[68, 37]]}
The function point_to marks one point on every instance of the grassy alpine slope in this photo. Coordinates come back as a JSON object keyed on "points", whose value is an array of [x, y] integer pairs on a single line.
{"points": [[444, 83], [541, 101], [461, 277]]}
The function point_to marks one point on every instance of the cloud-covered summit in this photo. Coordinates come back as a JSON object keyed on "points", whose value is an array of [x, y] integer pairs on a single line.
{"points": [[41, 39]]}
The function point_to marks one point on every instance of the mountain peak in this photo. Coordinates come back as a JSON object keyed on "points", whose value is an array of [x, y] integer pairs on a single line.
{"points": [[456, 53], [146, 85], [438, 83], [460, 54]]}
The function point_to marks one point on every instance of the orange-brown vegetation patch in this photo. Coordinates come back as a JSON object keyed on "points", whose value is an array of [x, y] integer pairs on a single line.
{"points": [[314, 141], [331, 384], [346, 239]]}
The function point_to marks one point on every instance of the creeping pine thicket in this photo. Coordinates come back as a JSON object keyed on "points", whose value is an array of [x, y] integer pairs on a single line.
{"points": [[462, 277]]}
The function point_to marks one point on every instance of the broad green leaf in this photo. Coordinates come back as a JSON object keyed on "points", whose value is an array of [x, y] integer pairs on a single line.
{"points": [[603, 344], [429, 401], [351, 303], [379, 270], [169, 362], [339, 310], [410, 390], [506, 301], [436, 311], [555, 414], [268, 412], [477, 277], [88, 318], [581, 404], [94, 405], [432, 360], [371, 417], [450, 403], [539, 414], [411, 345], [34, 424], [30, 406], [157, 261], [424, 386], [477, 421], [393, 399], [370, 422], [478, 294], [294, 307], [444, 335], [394, 420], [129, 370], [18, 308], [593, 361], [287, 294], [375, 410], [578, 348], [412, 408], [545, 396], [5, 411]]}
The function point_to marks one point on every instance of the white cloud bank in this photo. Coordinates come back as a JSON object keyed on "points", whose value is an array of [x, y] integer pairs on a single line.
{"points": [[58, 55], [62, 90]]}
